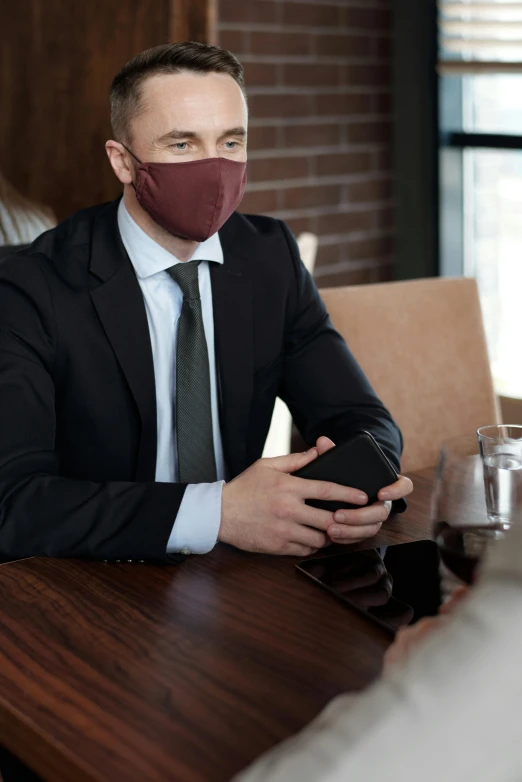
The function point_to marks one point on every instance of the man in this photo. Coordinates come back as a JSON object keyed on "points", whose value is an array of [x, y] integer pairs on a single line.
{"points": [[143, 343]]}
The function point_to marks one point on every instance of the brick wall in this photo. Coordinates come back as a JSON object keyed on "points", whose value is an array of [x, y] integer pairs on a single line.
{"points": [[319, 80]]}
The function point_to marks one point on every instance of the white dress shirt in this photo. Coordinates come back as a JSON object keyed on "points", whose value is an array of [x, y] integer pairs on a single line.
{"points": [[196, 526]]}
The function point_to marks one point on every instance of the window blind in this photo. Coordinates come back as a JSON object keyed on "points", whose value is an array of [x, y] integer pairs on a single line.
{"points": [[480, 37]]}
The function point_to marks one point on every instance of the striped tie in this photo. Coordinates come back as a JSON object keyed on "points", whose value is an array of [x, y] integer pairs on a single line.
{"points": [[196, 459]]}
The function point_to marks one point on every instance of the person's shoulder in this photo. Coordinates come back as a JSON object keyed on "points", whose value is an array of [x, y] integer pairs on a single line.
{"points": [[60, 247], [266, 234], [259, 224], [74, 231]]}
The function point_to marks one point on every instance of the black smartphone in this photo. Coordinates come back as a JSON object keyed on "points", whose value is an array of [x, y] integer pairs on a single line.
{"points": [[359, 462], [393, 586]]}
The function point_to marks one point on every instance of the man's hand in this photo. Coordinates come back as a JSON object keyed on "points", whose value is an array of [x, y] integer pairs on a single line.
{"points": [[352, 526], [264, 509]]}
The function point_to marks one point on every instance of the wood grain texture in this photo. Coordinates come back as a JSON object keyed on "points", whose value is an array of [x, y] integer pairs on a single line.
{"points": [[57, 62], [194, 20], [132, 672]]}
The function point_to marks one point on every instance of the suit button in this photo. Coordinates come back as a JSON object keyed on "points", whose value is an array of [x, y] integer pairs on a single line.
{"points": [[186, 551]]}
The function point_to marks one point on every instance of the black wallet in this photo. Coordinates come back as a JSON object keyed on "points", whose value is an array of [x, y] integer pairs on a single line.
{"points": [[359, 462]]}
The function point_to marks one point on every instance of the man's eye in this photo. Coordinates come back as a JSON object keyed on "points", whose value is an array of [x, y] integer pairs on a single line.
{"points": [[181, 145], [231, 144]]}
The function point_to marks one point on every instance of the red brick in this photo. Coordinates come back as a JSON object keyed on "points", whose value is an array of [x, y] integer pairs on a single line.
{"points": [[311, 135], [358, 34], [262, 138], [343, 103], [259, 202], [313, 195], [343, 163], [365, 249], [347, 277], [300, 224], [370, 132], [280, 105], [234, 41], [289, 44], [328, 254], [367, 18], [260, 11], [276, 168], [383, 103], [313, 15], [385, 218], [260, 74], [383, 159], [311, 75], [345, 222], [370, 190], [383, 47], [343, 45], [366, 75], [383, 273]]}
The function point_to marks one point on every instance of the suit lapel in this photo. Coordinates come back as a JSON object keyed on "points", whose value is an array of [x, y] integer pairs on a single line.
{"points": [[233, 327], [119, 304], [120, 307]]}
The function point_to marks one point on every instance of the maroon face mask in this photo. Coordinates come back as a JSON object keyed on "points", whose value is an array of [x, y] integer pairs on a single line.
{"points": [[192, 200]]}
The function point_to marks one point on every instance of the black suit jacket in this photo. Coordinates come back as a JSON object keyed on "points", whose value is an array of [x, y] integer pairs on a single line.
{"points": [[77, 394]]}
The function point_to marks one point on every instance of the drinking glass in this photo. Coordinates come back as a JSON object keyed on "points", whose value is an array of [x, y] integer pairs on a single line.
{"points": [[461, 526], [501, 451]]}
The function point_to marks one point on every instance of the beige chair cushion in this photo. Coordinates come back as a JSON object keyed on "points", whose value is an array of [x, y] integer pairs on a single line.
{"points": [[422, 345]]}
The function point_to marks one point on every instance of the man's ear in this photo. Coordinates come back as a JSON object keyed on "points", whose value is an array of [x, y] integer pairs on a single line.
{"points": [[119, 161]]}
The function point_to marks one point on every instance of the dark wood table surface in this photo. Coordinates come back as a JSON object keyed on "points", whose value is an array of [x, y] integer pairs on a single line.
{"points": [[133, 672]]}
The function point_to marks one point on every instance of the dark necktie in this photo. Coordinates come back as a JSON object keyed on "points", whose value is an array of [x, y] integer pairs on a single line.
{"points": [[196, 460]]}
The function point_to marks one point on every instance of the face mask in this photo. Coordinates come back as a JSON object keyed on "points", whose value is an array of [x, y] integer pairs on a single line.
{"points": [[191, 200]]}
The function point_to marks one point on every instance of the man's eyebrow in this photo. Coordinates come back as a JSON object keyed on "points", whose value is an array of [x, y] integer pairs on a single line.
{"points": [[239, 131], [176, 135]]}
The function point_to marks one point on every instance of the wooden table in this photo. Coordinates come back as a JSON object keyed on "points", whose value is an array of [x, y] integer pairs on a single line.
{"points": [[132, 672]]}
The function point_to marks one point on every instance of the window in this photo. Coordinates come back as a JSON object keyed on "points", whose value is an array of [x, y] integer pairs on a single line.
{"points": [[480, 67]]}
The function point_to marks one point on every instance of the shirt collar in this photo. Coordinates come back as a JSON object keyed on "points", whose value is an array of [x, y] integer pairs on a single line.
{"points": [[148, 257]]}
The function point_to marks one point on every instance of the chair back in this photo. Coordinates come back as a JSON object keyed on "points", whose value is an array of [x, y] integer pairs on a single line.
{"points": [[422, 345]]}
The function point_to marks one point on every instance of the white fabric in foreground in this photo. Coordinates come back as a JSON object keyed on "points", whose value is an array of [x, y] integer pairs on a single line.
{"points": [[451, 713]]}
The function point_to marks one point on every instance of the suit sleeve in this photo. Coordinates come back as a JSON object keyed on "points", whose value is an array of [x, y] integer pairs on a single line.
{"points": [[323, 385], [41, 512]]}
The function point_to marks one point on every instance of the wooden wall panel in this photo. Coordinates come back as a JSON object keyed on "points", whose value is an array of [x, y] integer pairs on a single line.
{"points": [[194, 20], [57, 60]]}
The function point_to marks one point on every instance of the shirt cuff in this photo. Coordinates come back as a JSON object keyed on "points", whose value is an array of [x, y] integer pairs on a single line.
{"points": [[196, 527]]}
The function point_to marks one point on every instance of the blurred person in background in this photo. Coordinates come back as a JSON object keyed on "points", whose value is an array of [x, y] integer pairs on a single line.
{"points": [[446, 708], [21, 220]]}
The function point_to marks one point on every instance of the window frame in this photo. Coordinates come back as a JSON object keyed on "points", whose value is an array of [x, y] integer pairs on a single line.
{"points": [[429, 144]]}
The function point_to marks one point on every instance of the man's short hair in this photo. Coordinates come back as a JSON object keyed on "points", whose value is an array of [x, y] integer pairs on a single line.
{"points": [[126, 89]]}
